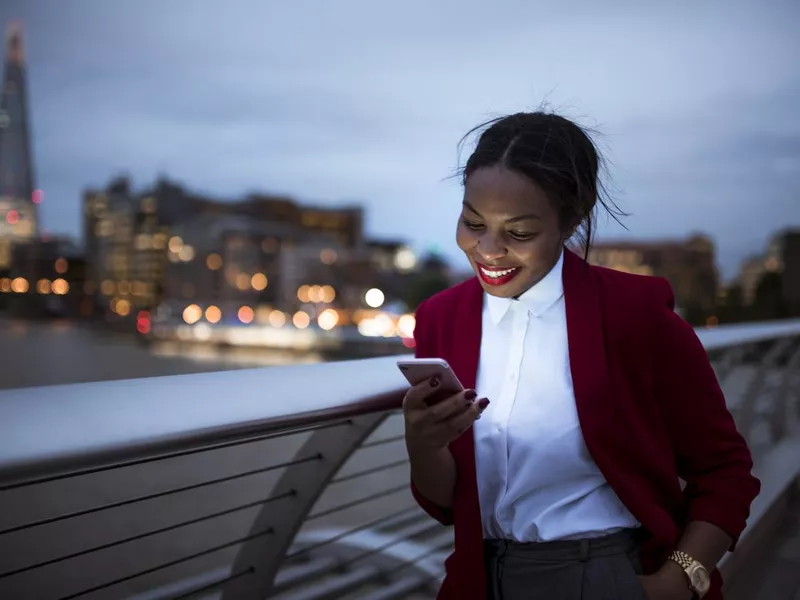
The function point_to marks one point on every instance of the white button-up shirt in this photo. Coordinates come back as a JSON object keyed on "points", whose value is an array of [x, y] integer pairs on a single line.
{"points": [[536, 479]]}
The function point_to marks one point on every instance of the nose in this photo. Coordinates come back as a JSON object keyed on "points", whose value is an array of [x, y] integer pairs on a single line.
{"points": [[489, 249]]}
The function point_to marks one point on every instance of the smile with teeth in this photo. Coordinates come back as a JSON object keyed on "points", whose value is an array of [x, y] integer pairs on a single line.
{"points": [[495, 274]]}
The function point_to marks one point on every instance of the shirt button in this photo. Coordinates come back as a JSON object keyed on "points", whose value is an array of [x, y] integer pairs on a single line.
{"points": [[513, 377]]}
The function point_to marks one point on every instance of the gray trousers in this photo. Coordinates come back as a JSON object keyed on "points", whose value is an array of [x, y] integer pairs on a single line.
{"points": [[604, 568]]}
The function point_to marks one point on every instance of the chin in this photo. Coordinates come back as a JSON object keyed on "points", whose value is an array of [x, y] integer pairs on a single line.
{"points": [[512, 289], [500, 292]]}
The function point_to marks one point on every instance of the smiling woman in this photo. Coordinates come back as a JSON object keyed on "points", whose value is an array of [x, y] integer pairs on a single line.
{"points": [[530, 185], [594, 399]]}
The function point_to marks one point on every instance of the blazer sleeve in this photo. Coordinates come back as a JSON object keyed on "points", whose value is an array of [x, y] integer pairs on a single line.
{"points": [[711, 455], [424, 349]]}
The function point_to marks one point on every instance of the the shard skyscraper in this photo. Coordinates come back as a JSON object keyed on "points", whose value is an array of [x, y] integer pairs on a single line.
{"points": [[18, 198]]}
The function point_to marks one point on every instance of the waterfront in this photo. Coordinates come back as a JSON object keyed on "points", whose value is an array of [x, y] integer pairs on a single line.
{"points": [[37, 353]]}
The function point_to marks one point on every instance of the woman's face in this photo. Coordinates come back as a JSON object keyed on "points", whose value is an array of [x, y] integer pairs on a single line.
{"points": [[509, 231]]}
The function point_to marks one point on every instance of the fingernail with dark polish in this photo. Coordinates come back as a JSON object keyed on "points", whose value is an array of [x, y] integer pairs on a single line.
{"points": [[434, 381], [483, 403], [470, 395]]}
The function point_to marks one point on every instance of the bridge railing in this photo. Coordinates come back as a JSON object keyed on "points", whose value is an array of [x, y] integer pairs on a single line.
{"points": [[286, 482]]}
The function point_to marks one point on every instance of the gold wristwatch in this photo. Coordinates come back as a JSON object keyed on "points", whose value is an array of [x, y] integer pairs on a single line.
{"points": [[697, 574]]}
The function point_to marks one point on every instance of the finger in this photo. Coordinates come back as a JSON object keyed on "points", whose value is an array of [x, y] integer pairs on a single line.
{"points": [[416, 395], [453, 405], [461, 422]]}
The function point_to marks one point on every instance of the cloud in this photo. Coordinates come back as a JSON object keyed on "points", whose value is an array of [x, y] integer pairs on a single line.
{"points": [[363, 100]]}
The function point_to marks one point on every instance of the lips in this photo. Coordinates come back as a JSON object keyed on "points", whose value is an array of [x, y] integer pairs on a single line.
{"points": [[496, 275]]}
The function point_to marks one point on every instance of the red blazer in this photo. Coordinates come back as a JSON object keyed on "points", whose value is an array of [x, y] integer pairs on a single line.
{"points": [[649, 405]]}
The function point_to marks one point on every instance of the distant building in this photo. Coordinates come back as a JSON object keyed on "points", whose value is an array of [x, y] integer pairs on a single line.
{"points": [[751, 272], [19, 220], [790, 259], [47, 277], [227, 262], [167, 246], [782, 256], [689, 266]]}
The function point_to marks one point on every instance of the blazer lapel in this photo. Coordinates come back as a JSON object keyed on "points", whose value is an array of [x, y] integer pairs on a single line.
{"points": [[587, 353], [465, 337], [465, 348]]}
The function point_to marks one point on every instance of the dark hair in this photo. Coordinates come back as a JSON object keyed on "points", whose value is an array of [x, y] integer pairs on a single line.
{"points": [[556, 154]]}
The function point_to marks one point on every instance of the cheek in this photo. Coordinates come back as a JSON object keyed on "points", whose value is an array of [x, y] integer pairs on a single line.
{"points": [[538, 252], [465, 238]]}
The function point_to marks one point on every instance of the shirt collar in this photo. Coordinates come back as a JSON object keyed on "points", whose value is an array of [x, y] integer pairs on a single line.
{"points": [[536, 299]]}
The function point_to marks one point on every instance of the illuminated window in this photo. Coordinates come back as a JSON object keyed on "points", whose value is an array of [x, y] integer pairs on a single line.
{"points": [[186, 253], [175, 244], [303, 293], [277, 318], [243, 281], [328, 294], [245, 314], [213, 314], [159, 241], [192, 314], [142, 241], [374, 298], [301, 319], [258, 281], [214, 261], [60, 287], [328, 256], [123, 307], [328, 319]]}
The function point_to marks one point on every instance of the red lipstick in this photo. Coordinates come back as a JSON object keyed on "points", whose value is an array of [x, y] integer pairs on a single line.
{"points": [[496, 275]]}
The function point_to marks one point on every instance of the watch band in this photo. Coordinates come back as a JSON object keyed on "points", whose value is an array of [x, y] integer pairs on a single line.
{"points": [[683, 559], [688, 564]]}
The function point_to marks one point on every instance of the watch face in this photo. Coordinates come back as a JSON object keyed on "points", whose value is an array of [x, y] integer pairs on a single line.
{"points": [[700, 580]]}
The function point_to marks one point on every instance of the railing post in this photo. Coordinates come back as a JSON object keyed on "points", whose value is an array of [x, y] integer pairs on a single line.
{"points": [[260, 558], [731, 357], [782, 417], [755, 390]]}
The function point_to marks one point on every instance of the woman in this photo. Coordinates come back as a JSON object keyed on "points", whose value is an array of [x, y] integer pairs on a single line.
{"points": [[593, 396]]}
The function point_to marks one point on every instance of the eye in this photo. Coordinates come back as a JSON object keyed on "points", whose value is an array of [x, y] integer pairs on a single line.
{"points": [[520, 236], [471, 224]]}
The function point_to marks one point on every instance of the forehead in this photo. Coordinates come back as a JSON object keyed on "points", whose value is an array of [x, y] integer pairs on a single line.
{"points": [[498, 191]]}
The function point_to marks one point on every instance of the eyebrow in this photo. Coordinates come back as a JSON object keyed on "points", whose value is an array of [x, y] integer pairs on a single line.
{"points": [[511, 220]]}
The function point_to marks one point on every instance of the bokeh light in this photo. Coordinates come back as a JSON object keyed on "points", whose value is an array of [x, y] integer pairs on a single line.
{"points": [[192, 314], [245, 314], [213, 314], [301, 320], [328, 319], [374, 298]]}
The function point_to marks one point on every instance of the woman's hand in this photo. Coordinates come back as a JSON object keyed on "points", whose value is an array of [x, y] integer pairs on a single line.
{"points": [[668, 583], [435, 426]]}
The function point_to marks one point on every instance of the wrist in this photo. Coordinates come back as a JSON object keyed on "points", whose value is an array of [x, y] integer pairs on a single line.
{"points": [[416, 448], [673, 578]]}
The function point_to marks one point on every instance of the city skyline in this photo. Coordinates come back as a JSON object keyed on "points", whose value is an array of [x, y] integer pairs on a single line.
{"points": [[700, 136]]}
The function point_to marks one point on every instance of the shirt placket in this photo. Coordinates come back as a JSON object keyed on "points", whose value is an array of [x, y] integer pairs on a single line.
{"points": [[510, 389]]}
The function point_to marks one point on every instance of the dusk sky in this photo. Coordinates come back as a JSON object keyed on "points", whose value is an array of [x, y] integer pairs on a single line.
{"points": [[364, 101]]}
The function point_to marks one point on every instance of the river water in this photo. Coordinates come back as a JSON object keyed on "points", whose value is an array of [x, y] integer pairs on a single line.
{"points": [[36, 353]]}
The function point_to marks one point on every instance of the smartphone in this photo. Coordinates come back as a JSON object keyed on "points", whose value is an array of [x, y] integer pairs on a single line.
{"points": [[417, 370]]}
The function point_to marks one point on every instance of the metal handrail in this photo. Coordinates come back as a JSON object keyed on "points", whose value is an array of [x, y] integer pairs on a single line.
{"points": [[68, 429], [333, 411]]}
